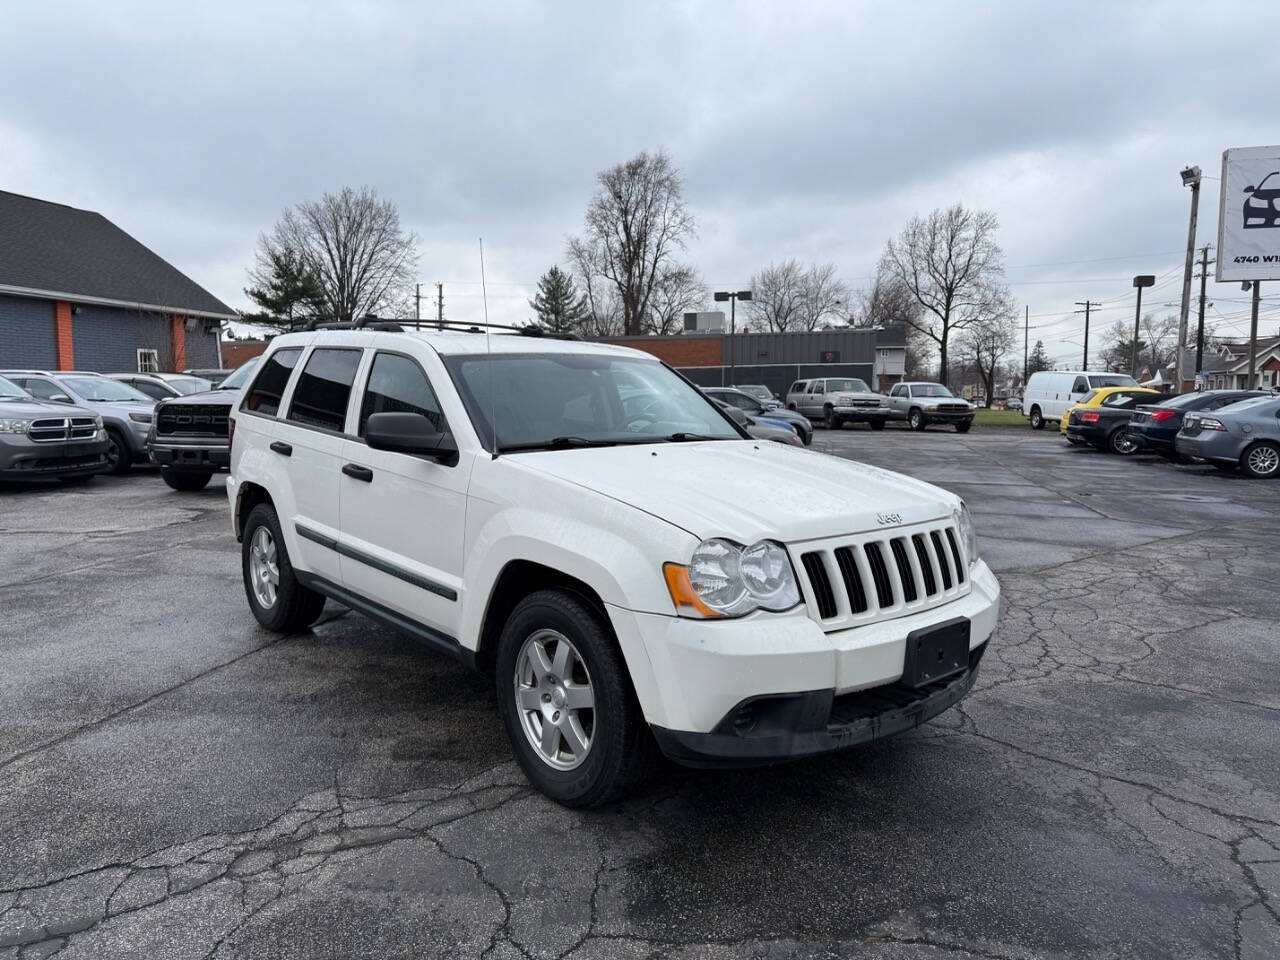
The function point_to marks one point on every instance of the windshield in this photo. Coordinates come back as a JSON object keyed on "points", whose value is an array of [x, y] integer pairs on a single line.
{"points": [[847, 386], [553, 400], [11, 391], [757, 390], [103, 388], [237, 379], [188, 385], [1113, 380], [930, 390]]}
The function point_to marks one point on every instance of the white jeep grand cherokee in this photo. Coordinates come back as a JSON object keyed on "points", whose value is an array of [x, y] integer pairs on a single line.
{"points": [[636, 573]]}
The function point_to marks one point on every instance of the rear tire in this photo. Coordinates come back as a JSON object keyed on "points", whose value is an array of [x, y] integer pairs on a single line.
{"points": [[1037, 419], [1118, 442], [1224, 467], [619, 751], [119, 459], [285, 605], [185, 479], [1261, 461]]}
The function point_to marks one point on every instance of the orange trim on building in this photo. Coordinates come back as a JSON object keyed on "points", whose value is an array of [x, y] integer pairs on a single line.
{"points": [[63, 338], [178, 331]]}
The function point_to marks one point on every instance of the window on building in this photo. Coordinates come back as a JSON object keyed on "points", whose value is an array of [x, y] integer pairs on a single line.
{"points": [[398, 385], [320, 398], [148, 361], [268, 387]]}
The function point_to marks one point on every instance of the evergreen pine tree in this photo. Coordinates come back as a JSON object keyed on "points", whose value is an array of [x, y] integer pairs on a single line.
{"points": [[1039, 359], [559, 307], [286, 290]]}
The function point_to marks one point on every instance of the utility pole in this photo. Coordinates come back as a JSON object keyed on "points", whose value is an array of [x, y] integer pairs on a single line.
{"points": [[417, 305], [1253, 334], [1204, 276], [1190, 178], [1143, 280], [1026, 332], [1088, 305], [440, 305]]}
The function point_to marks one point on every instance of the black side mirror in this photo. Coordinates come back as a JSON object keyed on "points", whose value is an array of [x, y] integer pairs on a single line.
{"points": [[409, 433]]}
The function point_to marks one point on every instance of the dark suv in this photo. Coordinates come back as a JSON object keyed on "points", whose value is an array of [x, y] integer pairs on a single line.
{"points": [[190, 438]]}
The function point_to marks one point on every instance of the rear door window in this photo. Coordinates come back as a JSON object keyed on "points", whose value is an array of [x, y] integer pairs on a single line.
{"points": [[268, 387], [324, 388]]}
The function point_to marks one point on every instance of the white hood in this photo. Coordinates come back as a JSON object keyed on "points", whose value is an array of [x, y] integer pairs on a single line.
{"points": [[747, 491]]}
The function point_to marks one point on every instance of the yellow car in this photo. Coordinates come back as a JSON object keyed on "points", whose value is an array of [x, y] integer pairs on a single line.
{"points": [[1095, 397]]}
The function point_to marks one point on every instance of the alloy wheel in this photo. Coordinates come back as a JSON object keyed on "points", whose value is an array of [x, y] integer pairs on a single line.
{"points": [[264, 568], [1264, 460], [554, 699]]}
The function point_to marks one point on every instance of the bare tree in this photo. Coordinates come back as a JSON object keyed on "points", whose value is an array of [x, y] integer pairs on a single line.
{"points": [[604, 308], [354, 247], [635, 223], [986, 343], [824, 297], [776, 295], [678, 289], [952, 265]]}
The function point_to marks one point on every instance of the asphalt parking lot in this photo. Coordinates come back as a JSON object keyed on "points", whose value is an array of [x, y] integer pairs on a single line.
{"points": [[175, 782]]}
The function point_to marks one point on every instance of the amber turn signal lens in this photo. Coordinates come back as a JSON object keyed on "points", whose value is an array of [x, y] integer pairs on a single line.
{"points": [[688, 603]]}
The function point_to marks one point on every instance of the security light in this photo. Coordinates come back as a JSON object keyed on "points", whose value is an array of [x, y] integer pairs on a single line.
{"points": [[721, 295], [1190, 176], [1144, 280]]}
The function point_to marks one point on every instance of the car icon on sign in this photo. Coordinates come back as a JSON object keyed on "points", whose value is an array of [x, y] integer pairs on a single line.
{"points": [[1262, 206]]}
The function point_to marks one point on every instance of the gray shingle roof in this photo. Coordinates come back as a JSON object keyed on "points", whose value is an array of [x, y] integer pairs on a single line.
{"points": [[59, 249]]}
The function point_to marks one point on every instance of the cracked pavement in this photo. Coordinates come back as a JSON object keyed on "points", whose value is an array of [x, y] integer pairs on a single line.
{"points": [[175, 782]]}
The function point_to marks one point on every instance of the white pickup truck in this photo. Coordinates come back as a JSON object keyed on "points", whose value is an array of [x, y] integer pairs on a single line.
{"points": [[578, 521]]}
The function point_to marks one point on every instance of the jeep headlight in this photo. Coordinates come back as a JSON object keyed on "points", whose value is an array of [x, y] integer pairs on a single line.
{"points": [[724, 579], [969, 539], [14, 426]]}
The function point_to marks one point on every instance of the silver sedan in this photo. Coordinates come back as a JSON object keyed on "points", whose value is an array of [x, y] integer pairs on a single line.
{"points": [[1244, 435]]}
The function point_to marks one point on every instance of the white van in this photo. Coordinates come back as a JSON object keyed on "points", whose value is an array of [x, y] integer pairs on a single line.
{"points": [[1050, 392]]}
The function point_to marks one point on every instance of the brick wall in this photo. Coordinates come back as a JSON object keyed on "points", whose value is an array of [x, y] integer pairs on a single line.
{"points": [[236, 353], [682, 351], [27, 334]]}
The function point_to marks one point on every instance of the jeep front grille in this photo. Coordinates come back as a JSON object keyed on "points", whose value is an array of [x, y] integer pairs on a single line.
{"points": [[51, 429], [192, 420], [855, 580]]}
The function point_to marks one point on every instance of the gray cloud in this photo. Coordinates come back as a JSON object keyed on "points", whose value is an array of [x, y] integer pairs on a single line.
{"points": [[804, 130]]}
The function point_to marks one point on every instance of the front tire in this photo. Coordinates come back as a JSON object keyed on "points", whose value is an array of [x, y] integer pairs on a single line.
{"points": [[566, 701], [185, 479], [830, 420], [877, 424], [119, 459], [916, 420], [278, 600], [1037, 419], [963, 426], [1261, 461]]}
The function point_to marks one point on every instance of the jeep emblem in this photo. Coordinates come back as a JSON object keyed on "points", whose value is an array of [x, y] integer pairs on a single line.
{"points": [[885, 519]]}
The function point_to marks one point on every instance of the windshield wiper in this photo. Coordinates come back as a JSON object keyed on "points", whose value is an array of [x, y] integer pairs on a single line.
{"points": [[682, 437], [558, 443]]}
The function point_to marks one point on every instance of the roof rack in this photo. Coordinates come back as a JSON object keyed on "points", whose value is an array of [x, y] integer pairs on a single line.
{"points": [[401, 324]]}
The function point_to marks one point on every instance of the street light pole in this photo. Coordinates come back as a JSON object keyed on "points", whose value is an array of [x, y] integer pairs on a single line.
{"points": [[1190, 178], [1144, 280], [733, 296]]}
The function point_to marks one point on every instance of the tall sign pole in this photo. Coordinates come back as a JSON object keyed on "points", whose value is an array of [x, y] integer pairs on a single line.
{"points": [[1190, 178], [1143, 280], [1253, 336]]}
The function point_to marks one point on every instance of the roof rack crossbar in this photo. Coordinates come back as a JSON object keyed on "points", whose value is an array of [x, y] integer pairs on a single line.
{"points": [[400, 324]]}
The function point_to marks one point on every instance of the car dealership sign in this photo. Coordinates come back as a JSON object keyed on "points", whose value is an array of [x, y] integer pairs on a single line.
{"points": [[1249, 216]]}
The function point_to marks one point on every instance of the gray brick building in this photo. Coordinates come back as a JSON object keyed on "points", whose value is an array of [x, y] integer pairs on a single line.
{"points": [[77, 292]]}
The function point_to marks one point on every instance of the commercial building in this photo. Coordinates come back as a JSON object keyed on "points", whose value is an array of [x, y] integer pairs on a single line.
{"points": [[78, 293], [876, 355]]}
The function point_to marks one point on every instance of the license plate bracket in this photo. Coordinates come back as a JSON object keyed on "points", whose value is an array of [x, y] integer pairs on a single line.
{"points": [[936, 652]]}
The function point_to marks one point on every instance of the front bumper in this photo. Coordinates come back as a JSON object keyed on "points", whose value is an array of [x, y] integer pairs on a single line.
{"points": [[690, 675], [861, 414], [22, 457], [768, 729], [200, 456], [948, 416]]}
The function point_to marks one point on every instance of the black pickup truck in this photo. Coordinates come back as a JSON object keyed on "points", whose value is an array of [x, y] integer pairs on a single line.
{"points": [[188, 436], [1107, 426]]}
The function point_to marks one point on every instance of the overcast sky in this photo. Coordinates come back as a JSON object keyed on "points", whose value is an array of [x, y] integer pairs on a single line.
{"points": [[802, 129]]}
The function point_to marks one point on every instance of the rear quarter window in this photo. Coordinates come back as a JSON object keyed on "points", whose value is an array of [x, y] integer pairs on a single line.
{"points": [[324, 388], [268, 386]]}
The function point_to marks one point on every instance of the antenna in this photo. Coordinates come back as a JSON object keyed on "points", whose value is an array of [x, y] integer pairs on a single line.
{"points": [[488, 354]]}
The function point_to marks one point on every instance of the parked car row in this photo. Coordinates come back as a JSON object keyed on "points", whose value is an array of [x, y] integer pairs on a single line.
{"points": [[74, 424], [1230, 429], [835, 401]]}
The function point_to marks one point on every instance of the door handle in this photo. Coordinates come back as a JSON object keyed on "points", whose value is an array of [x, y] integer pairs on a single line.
{"points": [[282, 448], [357, 472]]}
